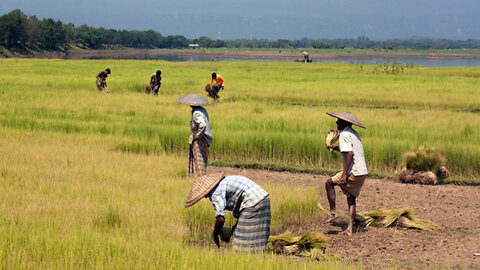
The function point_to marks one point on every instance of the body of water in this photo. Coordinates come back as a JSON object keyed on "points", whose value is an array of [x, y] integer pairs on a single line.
{"points": [[409, 60], [461, 62]]}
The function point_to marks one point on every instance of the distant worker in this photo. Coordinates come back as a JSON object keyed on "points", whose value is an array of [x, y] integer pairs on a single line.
{"points": [[213, 89], [102, 80], [354, 172], [249, 203], [155, 82], [306, 57], [200, 137]]}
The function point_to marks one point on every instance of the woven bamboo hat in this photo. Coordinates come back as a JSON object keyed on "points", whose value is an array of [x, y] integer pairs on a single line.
{"points": [[194, 100], [202, 186], [347, 116]]}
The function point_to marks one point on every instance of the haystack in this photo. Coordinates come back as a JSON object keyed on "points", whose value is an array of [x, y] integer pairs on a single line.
{"points": [[402, 217], [424, 165], [412, 177]]}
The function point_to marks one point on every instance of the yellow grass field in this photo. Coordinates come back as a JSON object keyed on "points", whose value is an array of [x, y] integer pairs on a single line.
{"points": [[91, 180]]}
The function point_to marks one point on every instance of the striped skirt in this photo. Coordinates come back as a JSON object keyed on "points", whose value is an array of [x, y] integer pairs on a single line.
{"points": [[253, 228], [198, 157]]}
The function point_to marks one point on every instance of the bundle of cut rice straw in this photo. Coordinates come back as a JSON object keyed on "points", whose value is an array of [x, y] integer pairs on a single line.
{"points": [[310, 245], [398, 217], [288, 244], [331, 137]]}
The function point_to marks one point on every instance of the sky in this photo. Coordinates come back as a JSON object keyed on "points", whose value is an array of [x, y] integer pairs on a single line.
{"points": [[268, 19]]}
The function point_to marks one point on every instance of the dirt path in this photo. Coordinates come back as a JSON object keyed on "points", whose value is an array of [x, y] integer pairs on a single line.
{"points": [[456, 209]]}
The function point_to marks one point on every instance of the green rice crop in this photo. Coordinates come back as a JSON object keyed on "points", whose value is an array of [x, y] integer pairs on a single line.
{"points": [[269, 112]]}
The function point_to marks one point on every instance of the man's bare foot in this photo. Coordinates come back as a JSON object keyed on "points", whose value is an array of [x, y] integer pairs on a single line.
{"points": [[330, 218], [349, 231]]}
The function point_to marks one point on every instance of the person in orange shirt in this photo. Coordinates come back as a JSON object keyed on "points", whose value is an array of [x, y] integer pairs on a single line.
{"points": [[219, 82]]}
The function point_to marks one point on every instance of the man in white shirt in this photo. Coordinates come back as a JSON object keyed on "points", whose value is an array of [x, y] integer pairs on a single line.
{"points": [[354, 172]]}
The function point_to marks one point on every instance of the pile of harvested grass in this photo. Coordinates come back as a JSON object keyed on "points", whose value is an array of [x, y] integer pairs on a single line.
{"points": [[148, 89], [412, 177], [424, 159], [402, 217], [211, 92], [287, 244], [424, 166]]}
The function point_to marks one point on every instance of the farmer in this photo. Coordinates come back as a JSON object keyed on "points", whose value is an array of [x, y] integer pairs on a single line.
{"points": [[306, 57], [156, 82], [354, 171], [249, 203], [102, 80], [219, 84], [201, 136]]}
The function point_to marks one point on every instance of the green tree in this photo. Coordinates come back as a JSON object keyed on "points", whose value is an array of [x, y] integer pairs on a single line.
{"points": [[52, 34], [13, 29]]}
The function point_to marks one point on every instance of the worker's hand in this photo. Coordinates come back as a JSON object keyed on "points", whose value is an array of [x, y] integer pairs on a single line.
{"points": [[222, 87], [343, 179], [216, 240], [190, 139], [333, 147]]}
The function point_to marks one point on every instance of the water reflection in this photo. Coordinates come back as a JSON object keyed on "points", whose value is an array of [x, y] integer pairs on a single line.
{"points": [[409, 60]]}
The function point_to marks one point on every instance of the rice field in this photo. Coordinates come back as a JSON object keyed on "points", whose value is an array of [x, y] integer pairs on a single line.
{"points": [[268, 112], [89, 180]]}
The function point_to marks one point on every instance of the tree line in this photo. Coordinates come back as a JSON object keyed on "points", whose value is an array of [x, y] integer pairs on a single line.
{"points": [[19, 31]]}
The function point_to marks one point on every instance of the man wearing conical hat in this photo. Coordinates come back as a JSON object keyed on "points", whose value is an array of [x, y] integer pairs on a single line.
{"points": [[354, 172], [201, 136], [249, 203]]}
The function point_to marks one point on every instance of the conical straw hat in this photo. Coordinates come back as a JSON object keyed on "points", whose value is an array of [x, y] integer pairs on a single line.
{"points": [[347, 116], [194, 100], [202, 186]]}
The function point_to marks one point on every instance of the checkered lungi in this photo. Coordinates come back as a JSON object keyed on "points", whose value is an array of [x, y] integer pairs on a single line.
{"points": [[101, 85], [253, 228], [198, 157]]}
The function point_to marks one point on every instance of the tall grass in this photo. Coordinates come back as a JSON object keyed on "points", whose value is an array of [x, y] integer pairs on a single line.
{"points": [[73, 201]]}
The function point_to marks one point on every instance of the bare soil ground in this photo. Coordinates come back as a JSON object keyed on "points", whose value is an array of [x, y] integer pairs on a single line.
{"points": [[455, 209]]}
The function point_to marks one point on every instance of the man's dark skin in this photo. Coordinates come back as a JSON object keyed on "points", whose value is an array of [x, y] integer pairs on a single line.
{"points": [[216, 231], [329, 186], [218, 227]]}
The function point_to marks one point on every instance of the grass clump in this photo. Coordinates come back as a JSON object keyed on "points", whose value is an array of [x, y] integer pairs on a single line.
{"points": [[110, 219]]}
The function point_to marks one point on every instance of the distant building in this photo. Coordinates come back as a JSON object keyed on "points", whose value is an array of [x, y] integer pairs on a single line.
{"points": [[193, 45]]}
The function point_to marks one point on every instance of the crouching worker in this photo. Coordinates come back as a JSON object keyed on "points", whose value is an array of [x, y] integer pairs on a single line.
{"points": [[200, 134], [102, 80], [249, 203], [354, 172], [213, 89], [155, 82]]}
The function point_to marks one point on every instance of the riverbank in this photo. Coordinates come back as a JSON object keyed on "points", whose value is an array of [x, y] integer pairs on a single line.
{"points": [[254, 54]]}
